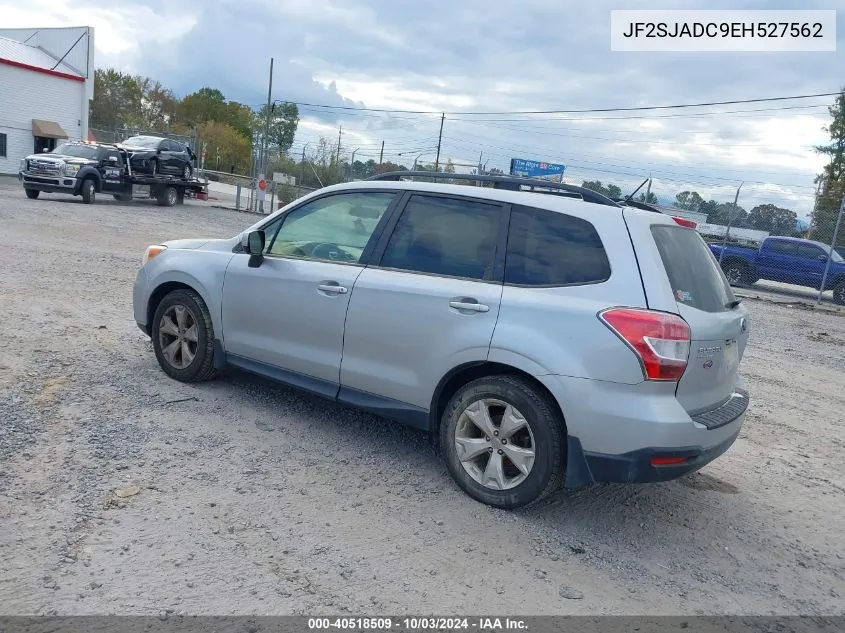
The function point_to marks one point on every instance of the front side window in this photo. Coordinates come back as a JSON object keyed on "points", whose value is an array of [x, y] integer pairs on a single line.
{"points": [[809, 251], [546, 248], [335, 228], [445, 236], [2, 145]]}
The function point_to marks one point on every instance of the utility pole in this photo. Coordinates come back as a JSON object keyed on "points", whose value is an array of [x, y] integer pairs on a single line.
{"points": [[302, 166], [381, 153], [263, 162], [337, 155], [830, 254], [480, 156], [352, 165], [439, 140], [730, 220], [815, 205]]}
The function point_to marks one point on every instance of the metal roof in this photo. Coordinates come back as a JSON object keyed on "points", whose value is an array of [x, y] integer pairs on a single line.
{"points": [[20, 53]]}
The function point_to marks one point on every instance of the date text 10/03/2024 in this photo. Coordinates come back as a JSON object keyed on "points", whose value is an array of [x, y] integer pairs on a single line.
{"points": [[417, 624]]}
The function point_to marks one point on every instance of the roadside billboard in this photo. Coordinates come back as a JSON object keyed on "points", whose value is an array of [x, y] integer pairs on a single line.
{"points": [[535, 169]]}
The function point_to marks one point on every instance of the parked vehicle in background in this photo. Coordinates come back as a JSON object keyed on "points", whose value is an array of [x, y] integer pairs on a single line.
{"points": [[154, 155], [79, 169], [86, 169], [541, 340], [841, 251], [786, 259]]}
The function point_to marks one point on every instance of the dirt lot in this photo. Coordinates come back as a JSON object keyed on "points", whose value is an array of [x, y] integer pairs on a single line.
{"points": [[122, 491]]}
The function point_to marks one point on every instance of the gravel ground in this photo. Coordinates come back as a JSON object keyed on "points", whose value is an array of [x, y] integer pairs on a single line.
{"points": [[122, 491]]}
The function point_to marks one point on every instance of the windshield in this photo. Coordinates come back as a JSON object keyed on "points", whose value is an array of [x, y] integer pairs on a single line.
{"points": [[143, 141], [79, 151]]}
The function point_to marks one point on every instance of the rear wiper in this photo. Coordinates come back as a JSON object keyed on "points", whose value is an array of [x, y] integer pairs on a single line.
{"points": [[730, 305]]}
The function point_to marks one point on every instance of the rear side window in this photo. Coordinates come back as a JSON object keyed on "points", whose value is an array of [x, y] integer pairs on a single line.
{"points": [[696, 278], [546, 248]]}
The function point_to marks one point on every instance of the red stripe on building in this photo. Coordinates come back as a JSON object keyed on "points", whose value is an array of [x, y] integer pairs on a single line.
{"points": [[46, 71]]}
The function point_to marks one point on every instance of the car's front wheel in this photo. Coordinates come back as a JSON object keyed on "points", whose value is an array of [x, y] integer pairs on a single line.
{"points": [[839, 293], [183, 337], [503, 441], [32, 194]]}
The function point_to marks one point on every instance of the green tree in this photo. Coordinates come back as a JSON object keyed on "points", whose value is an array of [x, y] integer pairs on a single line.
{"points": [[206, 104], [609, 190], [225, 147], [775, 220], [832, 179], [689, 200], [650, 199], [117, 100], [284, 119]]}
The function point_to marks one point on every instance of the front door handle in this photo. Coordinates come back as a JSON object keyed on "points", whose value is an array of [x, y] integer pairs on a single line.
{"points": [[332, 288], [466, 305]]}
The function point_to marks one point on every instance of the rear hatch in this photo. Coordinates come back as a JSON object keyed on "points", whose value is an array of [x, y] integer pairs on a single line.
{"points": [[718, 323]]}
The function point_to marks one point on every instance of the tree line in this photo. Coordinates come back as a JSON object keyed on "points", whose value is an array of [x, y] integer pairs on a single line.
{"points": [[764, 217], [227, 130]]}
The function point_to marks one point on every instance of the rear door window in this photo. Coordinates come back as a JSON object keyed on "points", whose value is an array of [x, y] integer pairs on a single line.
{"points": [[694, 274], [546, 248], [453, 237]]}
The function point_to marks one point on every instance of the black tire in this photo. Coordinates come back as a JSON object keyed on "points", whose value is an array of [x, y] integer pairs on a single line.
{"points": [[88, 190], [187, 171], [839, 293], [167, 196], [32, 194], [737, 273], [548, 434], [202, 366]]}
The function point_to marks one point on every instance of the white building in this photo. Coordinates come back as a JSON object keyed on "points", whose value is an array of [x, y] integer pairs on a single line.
{"points": [[46, 83]]}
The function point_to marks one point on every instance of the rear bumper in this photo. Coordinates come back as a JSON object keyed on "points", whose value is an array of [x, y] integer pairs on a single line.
{"points": [[614, 430], [636, 466]]}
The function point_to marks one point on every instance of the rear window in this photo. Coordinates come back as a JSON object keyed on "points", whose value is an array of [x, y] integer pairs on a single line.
{"points": [[546, 248], [695, 276]]}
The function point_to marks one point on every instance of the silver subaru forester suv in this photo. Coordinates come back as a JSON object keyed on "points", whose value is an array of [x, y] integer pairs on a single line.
{"points": [[541, 339]]}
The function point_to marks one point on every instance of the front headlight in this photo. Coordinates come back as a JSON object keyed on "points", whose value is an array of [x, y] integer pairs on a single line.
{"points": [[152, 252], [71, 170], [23, 164]]}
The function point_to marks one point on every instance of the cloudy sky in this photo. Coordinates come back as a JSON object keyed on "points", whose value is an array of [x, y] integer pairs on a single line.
{"points": [[490, 56]]}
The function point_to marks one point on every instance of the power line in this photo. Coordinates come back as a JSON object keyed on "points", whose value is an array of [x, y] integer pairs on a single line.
{"points": [[577, 111]]}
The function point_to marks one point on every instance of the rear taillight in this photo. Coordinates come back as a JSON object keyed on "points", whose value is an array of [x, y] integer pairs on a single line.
{"points": [[660, 340], [684, 222]]}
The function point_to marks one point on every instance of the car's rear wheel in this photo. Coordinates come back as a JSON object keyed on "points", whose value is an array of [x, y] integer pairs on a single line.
{"points": [[737, 273], [503, 441], [183, 337], [89, 191], [187, 171], [32, 194]]}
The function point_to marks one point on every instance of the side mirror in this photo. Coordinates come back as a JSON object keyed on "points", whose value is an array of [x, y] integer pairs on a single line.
{"points": [[255, 248], [158, 151], [113, 160], [822, 258]]}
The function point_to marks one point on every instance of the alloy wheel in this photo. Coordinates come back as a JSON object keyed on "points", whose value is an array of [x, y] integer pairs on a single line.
{"points": [[495, 444], [178, 336]]}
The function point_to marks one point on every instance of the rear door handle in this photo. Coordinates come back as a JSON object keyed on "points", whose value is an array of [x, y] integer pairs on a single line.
{"points": [[334, 289], [464, 305]]}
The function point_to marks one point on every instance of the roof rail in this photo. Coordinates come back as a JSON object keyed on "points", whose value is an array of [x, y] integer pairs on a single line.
{"points": [[509, 183]]}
